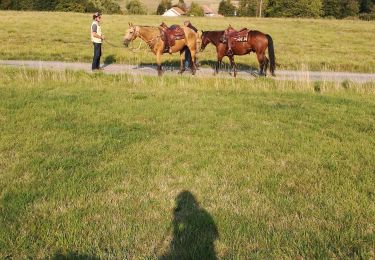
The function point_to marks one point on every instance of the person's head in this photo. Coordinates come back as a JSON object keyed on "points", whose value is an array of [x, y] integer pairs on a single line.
{"points": [[97, 16], [187, 22]]}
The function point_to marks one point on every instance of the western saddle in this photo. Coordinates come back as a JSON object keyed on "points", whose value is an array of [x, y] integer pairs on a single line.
{"points": [[170, 35], [231, 36]]}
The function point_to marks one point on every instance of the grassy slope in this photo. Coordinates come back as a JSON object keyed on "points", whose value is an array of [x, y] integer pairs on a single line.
{"points": [[299, 43], [92, 165]]}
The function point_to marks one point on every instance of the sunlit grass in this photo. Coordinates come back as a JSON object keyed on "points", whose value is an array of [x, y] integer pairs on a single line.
{"points": [[92, 165], [344, 45]]}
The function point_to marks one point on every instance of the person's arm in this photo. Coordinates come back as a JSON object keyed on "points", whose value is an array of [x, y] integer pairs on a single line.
{"points": [[95, 34]]}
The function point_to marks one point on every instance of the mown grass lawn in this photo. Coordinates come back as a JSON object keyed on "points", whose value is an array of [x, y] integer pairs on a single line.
{"points": [[142, 167], [307, 44]]}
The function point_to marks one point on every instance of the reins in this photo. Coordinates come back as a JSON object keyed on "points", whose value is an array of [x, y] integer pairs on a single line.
{"points": [[111, 44], [148, 42]]}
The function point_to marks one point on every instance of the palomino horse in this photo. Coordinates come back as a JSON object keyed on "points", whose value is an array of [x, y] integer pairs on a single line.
{"points": [[256, 42], [153, 37]]}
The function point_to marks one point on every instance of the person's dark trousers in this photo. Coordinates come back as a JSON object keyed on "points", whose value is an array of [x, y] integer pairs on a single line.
{"points": [[97, 55]]}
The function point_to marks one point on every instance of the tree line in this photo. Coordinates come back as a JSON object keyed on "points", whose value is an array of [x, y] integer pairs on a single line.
{"points": [[108, 6], [364, 9]]}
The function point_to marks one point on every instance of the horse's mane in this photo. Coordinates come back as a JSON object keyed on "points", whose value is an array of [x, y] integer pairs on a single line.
{"points": [[149, 29], [214, 36]]}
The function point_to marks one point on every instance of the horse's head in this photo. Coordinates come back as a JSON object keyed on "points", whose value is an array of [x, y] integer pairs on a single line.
{"points": [[131, 34], [205, 41]]}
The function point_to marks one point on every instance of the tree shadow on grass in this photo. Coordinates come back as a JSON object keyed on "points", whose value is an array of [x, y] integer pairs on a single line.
{"points": [[73, 256], [194, 231], [172, 65]]}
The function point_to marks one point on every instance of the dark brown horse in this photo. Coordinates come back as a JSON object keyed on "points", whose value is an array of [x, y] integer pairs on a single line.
{"points": [[256, 42]]}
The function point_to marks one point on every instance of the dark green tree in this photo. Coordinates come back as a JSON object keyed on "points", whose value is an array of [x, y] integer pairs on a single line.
{"points": [[248, 8], [226, 8], [163, 6], [44, 5], [71, 6], [349, 8], [290, 8], [135, 7], [332, 8], [366, 6], [110, 7], [107, 6], [6, 4], [341, 8], [195, 10]]}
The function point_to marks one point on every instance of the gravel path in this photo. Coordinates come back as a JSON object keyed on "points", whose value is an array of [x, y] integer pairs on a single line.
{"points": [[203, 72]]}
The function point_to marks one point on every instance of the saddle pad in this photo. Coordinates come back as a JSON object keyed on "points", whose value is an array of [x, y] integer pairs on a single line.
{"points": [[240, 39]]}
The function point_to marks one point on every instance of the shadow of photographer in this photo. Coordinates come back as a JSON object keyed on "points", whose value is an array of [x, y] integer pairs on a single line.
{"points": [[194, 231]]}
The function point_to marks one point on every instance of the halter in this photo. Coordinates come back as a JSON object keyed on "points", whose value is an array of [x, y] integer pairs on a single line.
{"points": [[148, 42]]}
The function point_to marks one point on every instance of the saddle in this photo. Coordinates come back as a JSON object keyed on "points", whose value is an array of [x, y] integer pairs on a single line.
{"points": [[171, 34], [231, 36]]}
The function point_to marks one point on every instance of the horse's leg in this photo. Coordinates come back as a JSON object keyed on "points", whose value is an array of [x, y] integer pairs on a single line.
{"points": [[266, 62], [193, 65], [182, 58], [233, 64], [158, 62], [261, 61], [220, 57]]}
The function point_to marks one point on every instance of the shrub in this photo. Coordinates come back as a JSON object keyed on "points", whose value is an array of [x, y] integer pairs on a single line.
{"points": [[71, 6], [247, 8], [163, 6], [289, 8], [135, 7], [110, 7], [196, 10], [226, 8]]}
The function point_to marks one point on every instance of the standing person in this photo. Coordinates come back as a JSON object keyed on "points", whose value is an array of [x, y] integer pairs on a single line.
{"points": [[97, 38], [188, 24]]}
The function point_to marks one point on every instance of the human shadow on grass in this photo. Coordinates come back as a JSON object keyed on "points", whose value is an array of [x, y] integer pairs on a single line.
{"points": [[194, 231], [110, 59]]}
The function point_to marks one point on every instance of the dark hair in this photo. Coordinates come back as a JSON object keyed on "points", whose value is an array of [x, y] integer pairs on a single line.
{"points": [[97, 14]]}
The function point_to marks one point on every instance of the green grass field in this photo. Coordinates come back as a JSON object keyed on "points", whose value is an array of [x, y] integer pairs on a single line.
{"points": [[307, 44], [127, 167]]}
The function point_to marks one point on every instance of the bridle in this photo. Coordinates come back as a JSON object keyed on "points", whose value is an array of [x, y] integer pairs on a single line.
{"points": [[148, 42]]}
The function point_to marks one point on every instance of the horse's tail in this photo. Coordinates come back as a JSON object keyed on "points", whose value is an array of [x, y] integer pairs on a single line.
{"points": [[271, 54]]}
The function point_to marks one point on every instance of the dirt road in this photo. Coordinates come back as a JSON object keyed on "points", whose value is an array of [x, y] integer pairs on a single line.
{"points": [[203, 72]]}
